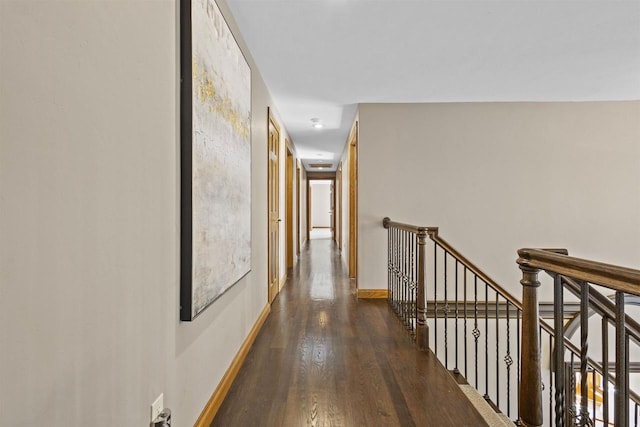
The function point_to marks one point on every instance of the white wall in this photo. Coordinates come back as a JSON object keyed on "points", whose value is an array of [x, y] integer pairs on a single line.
{"points": [[89, 220], [321, 203], [496, 177]]}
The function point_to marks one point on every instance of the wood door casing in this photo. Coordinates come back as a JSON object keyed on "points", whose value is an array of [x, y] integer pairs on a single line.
{"points": [[339, 206], [289, 206], [353, 202], [299, 203], [273, 198]]}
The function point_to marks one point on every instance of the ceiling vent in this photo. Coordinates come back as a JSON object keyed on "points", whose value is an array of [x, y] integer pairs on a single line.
{"points": [[320, 165]]}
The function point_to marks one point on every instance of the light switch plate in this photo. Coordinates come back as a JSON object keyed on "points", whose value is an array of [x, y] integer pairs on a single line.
{"points": [[157, 406]]}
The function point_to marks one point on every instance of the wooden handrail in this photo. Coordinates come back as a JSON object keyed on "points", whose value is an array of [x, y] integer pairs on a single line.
{"points": [[611, 276], [386, 223], [565, 268], [432, 232]]}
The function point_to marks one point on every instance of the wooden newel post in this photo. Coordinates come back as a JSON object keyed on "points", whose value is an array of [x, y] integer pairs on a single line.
{"points": [[422, 329], [530, 404]]}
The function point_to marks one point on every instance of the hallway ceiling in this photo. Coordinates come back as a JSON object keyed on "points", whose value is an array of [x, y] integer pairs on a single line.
{"points": [[320, 58]]}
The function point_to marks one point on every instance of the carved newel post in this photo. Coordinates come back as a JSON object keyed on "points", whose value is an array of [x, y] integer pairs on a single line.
{"points": [[530, 380], [422, 329]]}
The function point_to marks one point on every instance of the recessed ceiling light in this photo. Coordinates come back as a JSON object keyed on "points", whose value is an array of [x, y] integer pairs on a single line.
{"points": [[315, 123]]}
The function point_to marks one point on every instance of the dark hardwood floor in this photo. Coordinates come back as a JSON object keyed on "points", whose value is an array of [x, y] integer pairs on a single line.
{"points": [[325, 358]]}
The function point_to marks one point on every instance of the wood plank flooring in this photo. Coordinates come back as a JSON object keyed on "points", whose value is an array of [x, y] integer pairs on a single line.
{"points": [[324, 358]]}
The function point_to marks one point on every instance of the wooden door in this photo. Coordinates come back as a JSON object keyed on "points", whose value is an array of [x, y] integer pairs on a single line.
{"points": [[273, 180]]}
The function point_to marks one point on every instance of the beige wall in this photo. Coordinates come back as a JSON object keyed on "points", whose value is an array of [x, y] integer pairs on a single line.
{"points": [[496, 177], [89, 220]]}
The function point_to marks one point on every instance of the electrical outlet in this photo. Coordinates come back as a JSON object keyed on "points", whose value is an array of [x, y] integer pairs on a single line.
{"points": [[157, 406]]}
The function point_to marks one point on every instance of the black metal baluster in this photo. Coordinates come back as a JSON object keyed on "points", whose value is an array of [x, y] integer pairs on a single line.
{"points": [[466, 371], [622, 385], [398, 306], [396, 271], [508, 360], [414, 291], [456, 370], [584, 347], [446, 314], [408, 313], [573, 411], [486, 340], [626, 373], [476, 331], [401, 307], [405, 295], [497, 354], [435, 295], [558, 327], [635, 418], [403, 281], [551, 382]]}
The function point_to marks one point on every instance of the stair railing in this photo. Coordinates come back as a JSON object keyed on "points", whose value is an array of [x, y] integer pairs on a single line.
{"points": [[577, 275], [474, 323], [406, 281], [429, 281]]}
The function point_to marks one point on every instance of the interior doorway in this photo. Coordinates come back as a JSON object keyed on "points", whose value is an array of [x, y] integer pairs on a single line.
{"points": [[321, 208], [273, 201]]}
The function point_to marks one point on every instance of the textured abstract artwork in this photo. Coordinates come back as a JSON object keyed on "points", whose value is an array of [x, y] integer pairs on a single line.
{"points": [[215, 158]]}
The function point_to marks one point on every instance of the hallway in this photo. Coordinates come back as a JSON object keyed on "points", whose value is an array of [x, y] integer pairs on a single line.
{"points": [[324, 358]]}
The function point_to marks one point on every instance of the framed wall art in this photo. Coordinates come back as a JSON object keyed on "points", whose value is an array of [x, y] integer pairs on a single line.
{"points": [[215, 128]]}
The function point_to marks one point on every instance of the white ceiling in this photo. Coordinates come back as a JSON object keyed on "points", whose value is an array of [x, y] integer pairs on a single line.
{"points": [[320, 58]]}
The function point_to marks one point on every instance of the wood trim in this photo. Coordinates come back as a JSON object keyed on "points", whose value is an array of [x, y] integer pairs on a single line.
{"points": [[373, 293], [308, 233], [283, 281], [353, 203], [213, 405], [289, 168], [339, 206], [299, 206], [320, 175]]}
